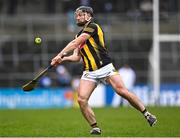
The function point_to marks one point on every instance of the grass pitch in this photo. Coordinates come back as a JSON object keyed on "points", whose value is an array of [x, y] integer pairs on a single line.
{"points": [[115, 122]]}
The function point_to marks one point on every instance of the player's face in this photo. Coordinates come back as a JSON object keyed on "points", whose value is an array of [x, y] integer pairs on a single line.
{"points": [[80, 18]]}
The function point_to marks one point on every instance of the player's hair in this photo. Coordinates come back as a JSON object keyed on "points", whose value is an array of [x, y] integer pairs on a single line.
{"points": [[86, 9]]}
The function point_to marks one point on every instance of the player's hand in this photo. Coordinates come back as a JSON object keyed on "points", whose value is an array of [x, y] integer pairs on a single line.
{"points": [[56, 60]]}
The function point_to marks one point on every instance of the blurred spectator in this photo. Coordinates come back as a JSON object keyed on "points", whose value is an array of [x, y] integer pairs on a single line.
{"points": [[133, 10], [64, 78], [69, 7], [45, 82], [71, 23], [146, 8], [129, 77], [75, 85], [164, 9], [108, 7]]}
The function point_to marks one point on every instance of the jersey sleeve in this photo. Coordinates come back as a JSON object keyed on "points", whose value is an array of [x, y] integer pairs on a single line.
{"points": [[91, 29]]}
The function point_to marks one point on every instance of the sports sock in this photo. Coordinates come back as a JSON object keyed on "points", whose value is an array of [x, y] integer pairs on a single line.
{"points": [[145, 112], [94, 125]]}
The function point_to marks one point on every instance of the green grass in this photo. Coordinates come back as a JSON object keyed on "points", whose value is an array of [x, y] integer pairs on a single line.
{"points": [[121, 122]]}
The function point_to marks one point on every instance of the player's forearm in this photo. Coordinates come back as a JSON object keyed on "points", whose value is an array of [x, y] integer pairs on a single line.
{"points": [[72, 58], [70, 47], [75, 44]]}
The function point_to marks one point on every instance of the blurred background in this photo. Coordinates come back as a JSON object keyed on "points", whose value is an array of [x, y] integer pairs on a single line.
{"points": [[131, 37]]}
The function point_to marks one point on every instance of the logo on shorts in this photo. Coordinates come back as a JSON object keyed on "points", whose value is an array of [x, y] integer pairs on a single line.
{"points": [[114, 70], [85, 75]]}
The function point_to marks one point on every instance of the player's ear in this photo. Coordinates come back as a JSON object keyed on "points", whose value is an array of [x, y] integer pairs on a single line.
{"points": [[87, 17]]}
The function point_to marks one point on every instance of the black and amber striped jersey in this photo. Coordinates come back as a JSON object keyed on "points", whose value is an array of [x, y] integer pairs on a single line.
{"points": [[94, 52]]}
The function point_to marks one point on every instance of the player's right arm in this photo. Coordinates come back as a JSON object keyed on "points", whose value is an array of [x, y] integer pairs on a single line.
{"points": [[74, 44]]}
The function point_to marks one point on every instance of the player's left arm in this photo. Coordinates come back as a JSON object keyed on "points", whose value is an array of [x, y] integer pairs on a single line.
{"points": [[75, 57]]}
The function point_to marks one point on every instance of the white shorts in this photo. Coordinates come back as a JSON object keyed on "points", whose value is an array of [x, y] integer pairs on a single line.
{"points": [[99, 75]]}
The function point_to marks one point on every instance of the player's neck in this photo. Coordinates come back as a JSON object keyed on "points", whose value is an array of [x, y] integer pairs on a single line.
{"points": [[87, 24]]}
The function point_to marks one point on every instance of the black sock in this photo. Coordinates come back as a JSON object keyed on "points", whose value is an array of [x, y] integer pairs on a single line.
{"points": [[94, 125], [144, 111]]}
